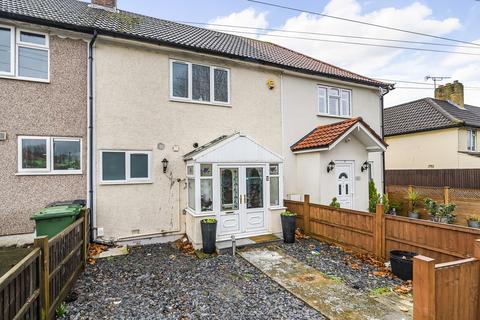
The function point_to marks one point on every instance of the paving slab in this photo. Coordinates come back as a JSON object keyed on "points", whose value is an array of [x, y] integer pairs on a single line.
{"points": [[113, 252], [328, 295]]}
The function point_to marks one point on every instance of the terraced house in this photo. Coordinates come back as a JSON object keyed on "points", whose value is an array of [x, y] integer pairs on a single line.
{"points": [[189, 123]]}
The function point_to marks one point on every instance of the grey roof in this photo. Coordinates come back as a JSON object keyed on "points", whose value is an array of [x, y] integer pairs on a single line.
{"points": [[206, 146], [79, 16], [428, 114]]}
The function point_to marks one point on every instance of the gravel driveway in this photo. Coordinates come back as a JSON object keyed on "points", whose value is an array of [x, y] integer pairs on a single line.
{"points": [[159, 282]]}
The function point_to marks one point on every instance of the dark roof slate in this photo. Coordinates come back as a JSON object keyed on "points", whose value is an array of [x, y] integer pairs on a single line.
{"points": [[428, 114], [80, 16]]}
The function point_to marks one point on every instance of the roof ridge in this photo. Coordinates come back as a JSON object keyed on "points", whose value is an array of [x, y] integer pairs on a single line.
{"points": [[444, 112]]}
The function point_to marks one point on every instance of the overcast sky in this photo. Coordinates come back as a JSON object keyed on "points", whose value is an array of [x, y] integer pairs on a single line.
{"points": [[458, 19]]}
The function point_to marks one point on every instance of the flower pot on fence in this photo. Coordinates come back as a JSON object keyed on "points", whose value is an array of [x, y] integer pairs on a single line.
{"points": [[209, 235], [288, 228], [402, 264], [473, 224], [414, 215], [440, 219]]}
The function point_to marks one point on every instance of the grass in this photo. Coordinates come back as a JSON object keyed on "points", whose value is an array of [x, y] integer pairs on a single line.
{"points": [[377, 292], [61, 310]]}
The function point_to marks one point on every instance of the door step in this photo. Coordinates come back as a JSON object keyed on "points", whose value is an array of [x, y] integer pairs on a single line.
{"points": [[225, 246]]}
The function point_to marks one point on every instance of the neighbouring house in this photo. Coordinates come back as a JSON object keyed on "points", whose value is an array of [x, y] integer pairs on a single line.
{"points": [[43, 120], [190, 123], [433, 133]]}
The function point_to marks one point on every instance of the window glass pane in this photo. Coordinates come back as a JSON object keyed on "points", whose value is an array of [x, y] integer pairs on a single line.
{"points": [[138, 165], [34, 153], [229, 189], [221, 85], [113, 166], [345, 105], [191, 193], [274, 169], [33, 38], [333, 106], [274, 191], [32, 63], [206, 192], [322, 100], [66, 155], [200, 83], [206, 170], [180, 80], [333, 92], [254, 188], [5, 50]]}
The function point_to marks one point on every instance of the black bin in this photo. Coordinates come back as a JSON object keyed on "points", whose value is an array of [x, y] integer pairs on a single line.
{"points": [[402, 264]]}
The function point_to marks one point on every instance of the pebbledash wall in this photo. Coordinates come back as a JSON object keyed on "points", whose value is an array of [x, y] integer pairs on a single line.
{"points": [[134, 112], [54, 109]]}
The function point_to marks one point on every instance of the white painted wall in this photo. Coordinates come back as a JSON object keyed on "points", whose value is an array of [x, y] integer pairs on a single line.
{"points": [[134, 112], [299, 106]]}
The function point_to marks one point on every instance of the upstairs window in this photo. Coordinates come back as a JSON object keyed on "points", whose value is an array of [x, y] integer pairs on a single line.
{"points": [[472, 140], [199, 83], [24, 54], [334, 101]]}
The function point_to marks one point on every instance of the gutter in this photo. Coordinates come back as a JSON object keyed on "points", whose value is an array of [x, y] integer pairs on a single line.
{"points": [[90, 135]]}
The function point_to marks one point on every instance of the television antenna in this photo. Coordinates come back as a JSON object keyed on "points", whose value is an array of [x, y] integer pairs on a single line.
{"points": [[435, 79]]}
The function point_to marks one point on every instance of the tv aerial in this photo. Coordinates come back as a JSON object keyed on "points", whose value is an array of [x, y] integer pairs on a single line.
{"points": [[435, 79]]}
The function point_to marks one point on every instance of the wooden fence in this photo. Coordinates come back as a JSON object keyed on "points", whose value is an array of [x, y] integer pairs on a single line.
{"points": [[467, 200], [446, 290], [38, 284], [455, 178]]}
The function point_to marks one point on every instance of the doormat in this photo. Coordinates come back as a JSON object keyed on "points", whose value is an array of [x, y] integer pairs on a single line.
{"points": [[264, 238]]}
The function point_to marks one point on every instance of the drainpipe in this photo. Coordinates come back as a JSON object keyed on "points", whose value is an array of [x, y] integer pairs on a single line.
{"points": [[383, 92], [90, 134]]}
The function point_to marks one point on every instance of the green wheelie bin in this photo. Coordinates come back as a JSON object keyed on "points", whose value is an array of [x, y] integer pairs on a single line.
{"points": [[52, 220]]}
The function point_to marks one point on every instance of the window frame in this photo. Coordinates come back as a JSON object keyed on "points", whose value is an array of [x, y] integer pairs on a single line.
{"points": [[45, 47], [49, 170], [189, 97], [338, 97], [210, 177], [128, 179], [472, 140], [12, 51]]}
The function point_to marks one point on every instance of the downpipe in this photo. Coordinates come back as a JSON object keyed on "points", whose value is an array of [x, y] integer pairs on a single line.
{"points": [[382, 93], [90, 136]]}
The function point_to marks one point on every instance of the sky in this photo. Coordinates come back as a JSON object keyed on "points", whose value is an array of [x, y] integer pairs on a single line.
{"points": [[458, 19]]}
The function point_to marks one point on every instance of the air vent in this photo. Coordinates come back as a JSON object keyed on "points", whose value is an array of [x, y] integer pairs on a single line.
{"points": [[3, 136]]}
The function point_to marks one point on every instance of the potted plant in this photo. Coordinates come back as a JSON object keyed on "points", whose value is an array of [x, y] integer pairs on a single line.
{"points": [[413, 197], [335, 203], [288, 226], [446, 212], [473, 221], [395, 207], [432, 207], [209, 234]]}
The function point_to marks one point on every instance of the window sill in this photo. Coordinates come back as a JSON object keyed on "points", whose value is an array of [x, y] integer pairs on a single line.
{"points": [[215, 104], [48, 173], [5, 76], [277, 208], [199, 215], [332, 116], [109, 183]]}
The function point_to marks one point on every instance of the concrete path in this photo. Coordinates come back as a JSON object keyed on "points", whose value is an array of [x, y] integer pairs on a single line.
{"points": [[330, 297]]}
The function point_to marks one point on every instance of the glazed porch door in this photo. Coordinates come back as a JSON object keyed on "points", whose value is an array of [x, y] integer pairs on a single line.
{"points": [[344, 173], [242, 200]]}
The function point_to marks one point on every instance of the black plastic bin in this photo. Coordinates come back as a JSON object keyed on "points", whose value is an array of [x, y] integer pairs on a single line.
{"points": [[402, 264]]}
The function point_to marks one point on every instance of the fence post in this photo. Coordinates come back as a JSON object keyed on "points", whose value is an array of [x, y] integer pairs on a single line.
{"points": [[424, 288], [379, 232], [42, 243], [86, 238], [446, 195], [306, 213]]}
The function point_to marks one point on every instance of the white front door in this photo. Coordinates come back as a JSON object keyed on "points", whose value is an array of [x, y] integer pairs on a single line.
{"points": [[344, 175], [242, 200]]}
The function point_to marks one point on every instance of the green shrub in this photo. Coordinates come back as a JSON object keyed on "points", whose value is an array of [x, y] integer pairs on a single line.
{"points": [[335, 203], [287, 213], [209, 220]]}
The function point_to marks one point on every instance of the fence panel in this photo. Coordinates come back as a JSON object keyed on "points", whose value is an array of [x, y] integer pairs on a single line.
{"points": [[456, 178], [20, 289]]}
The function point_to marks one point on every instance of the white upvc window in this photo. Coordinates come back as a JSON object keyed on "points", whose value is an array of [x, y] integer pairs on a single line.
{"points": [[334, 101], [123, 167], [199, 83], [472, 140], [191, 186], [49, 155], [275, 186], [24, 54]]}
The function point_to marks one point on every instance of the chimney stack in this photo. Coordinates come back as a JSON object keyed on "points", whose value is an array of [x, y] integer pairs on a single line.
{"points": [[452, 92], [106, 4]]}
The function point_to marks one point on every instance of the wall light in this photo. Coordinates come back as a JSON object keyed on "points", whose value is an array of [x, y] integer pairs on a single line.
{"points": [[331, 166], [165, 165], [364, 166]]}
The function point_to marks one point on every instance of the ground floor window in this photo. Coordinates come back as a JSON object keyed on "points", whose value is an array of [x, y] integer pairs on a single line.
{"points": [[274, 185], [49, 155], [125, 166]]}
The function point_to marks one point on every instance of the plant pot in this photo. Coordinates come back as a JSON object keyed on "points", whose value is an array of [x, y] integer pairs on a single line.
{"points": [[440, 219], [402, 264], [414, 215], [288, 228], [209, 236], [473, 223]]}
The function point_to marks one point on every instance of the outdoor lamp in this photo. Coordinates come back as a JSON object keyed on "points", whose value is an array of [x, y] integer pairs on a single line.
{"points": [[165, 165], [331, 166], [364, 166]]}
